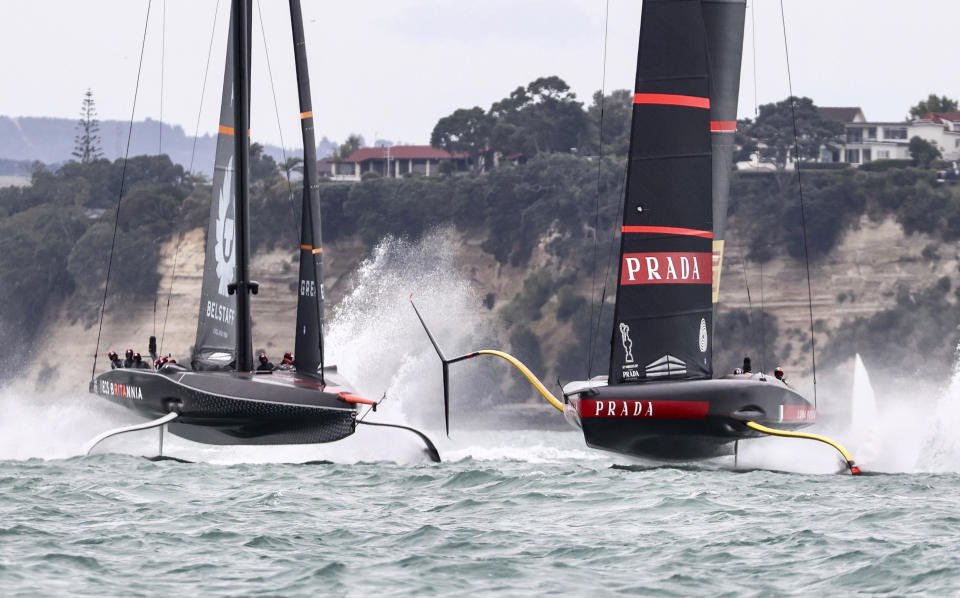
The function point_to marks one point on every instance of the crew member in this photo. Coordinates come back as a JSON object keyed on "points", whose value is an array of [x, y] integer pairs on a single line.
{"points": [[746, 365], [737, 372], [287, 363], [265, 365], [128, 362], [114, 360], [139, 362], [778, 374]]}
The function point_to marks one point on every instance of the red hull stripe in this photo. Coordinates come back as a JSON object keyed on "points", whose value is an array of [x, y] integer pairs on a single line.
{"points": [[723, 126], [666, 99], [636, 409], [668, 230]]}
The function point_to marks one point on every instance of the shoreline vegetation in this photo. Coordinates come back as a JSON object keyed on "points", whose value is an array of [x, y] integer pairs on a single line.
{"points": [[56, 233]]}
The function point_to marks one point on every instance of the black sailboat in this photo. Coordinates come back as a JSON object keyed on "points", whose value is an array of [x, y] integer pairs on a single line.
{"points": [[659, 398], [220, 399]]}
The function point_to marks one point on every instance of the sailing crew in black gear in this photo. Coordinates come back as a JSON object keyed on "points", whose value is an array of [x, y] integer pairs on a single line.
{"points": [[138, 362], [265, 365], [114, 360], [128, 362], [746, 365]]}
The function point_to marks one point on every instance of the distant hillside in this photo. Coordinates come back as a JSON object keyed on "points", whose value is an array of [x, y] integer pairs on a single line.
{"points": [[51, 141]]}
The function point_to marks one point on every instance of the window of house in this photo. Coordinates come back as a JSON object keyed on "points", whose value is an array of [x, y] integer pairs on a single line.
{"points": [[343, 168], [883, 154], [871, 132], [894, 132], [866, 156], [854, 135], [853, 156]]}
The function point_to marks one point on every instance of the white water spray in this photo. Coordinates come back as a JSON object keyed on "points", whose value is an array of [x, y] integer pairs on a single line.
{"points": [[378, 345]]}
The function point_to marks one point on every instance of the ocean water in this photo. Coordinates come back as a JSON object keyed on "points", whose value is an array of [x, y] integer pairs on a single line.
{"points": [[510, 512], [523, 513]]}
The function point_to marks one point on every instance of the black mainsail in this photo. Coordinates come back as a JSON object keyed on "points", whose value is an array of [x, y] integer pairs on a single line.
{"points": [[724, 20], [663, 318], [660, 399], [309, 339], [235, 405], [216, 344]]}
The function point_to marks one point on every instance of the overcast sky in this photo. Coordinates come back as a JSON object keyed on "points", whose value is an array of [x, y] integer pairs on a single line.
{"points": [[391, 68]]}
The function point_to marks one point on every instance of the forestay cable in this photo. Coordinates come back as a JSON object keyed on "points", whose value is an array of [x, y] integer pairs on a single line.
{"points": [[803, 211], [596, 224], [123, 177]]}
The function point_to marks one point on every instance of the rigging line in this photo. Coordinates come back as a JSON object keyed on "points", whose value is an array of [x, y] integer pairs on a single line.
{"points": [[596, 223], [756, 112], [276, 109], [610, 247], [196, 134], [203, 88], [173, 275], [123, 176], [746, 284], [803, 211], [163, 50], [753, 34]]}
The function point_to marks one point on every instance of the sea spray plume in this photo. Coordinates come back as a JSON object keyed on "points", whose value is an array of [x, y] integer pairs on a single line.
{"points": [[378, 342]]}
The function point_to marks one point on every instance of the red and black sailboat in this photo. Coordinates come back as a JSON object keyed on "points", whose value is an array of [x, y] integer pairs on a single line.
{"points": [[659, 398], [220, 399]]}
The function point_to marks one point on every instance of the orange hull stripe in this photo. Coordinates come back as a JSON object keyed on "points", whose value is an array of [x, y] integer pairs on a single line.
{"points": [[669, 230], [666, 99]]}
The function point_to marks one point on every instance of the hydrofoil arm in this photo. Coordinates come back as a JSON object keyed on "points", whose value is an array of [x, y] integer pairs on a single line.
{"points": [[851, 465], [134, 428], [546, 394]]}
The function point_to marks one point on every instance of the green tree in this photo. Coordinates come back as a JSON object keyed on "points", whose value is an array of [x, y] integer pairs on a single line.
{"points": [[923, 152], [87, 142], [466, 130], [543, 117], [773, 129], [352, 144], [617, 114], [933, 103], [293, 164]]}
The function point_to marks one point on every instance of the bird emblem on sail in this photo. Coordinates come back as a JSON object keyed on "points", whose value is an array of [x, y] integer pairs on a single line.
{"points": [[224, 253], [703, 335]]}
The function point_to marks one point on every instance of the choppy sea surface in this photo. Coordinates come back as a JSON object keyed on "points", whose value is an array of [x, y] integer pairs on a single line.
{"points": [[522, 513], [508, 513]]}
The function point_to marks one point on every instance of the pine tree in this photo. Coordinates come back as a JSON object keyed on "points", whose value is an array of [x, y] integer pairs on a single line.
{"points": [[87, 142]]}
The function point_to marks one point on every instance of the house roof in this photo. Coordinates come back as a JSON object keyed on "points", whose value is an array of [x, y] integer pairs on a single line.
{"points": [[941, 117], [840, 114], [403, 152]]}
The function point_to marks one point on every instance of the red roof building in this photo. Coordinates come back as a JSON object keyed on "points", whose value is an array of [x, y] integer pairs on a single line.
{"points": [[399, 160]]}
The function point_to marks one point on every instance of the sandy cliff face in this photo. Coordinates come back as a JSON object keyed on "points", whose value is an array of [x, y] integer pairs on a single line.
{"points": [[858, 278]]}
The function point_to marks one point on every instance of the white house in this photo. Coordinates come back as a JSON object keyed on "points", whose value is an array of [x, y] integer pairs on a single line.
{"points": [[865, 141]]}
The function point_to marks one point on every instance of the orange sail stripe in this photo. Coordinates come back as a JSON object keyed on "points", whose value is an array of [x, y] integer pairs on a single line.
{"points": [[304, 115], [669, 230], [666, 99], [226, 130]]}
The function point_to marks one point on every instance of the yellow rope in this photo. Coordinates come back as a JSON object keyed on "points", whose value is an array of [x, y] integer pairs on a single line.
{"points": [[774, 432], [526, 372]]}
